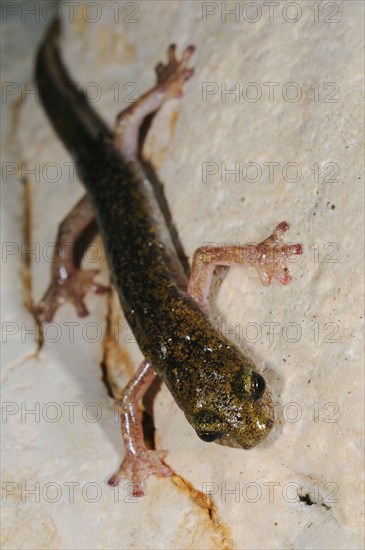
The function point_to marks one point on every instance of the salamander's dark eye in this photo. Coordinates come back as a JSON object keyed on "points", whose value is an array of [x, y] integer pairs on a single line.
{"points": [[208, 437], [258, 385]]}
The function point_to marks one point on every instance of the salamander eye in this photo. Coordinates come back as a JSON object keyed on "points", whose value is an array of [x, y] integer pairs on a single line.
{"points": [[208, 437], [258, 385]]}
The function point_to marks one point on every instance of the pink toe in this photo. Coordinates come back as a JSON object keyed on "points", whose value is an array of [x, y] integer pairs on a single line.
{"points": [[284, 279], [282, 227], [82, 310], [114, 481], [188, 74], [138, 492], [99, 289]]}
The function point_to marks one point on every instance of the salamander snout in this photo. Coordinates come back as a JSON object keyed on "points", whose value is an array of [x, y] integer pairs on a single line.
{"points": [[241, 413]]}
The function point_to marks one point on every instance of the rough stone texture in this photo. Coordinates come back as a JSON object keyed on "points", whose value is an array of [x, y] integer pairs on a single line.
{"points": [[312, 361]]}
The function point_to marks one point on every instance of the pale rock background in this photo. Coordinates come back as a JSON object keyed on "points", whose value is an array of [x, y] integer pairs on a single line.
{"points": [[314, 361]]}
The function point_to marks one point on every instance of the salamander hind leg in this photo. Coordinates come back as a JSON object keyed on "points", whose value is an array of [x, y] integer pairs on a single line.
{"points": [[170, 80], [68, 282], [139, 462]]}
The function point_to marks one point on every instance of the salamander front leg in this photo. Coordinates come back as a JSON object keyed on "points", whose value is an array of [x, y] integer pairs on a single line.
{"points": [[69, 283], [268, 258], [139, 462]]}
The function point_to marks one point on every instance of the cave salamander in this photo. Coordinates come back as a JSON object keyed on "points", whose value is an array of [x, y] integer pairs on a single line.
{"points": [[219, 389]]}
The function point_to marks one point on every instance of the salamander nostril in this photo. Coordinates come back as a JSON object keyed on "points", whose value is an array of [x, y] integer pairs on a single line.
{"points": [[258, 385]]}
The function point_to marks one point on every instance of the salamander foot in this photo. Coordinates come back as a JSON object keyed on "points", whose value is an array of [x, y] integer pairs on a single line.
{"points": [[72, 289], [175, 72], [269, 256], [138, 467]]}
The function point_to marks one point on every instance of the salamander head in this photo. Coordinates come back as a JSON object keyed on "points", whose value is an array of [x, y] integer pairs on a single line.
{"points": [[237, 411]]}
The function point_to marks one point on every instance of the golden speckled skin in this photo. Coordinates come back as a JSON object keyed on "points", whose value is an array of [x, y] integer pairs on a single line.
{"points": [[211, 380]]}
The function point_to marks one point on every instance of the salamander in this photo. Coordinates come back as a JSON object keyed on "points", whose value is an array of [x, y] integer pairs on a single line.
{"points": [[219, 389]]}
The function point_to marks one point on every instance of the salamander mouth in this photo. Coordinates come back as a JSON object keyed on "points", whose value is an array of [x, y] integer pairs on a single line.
{"points": [[227, 441]]}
